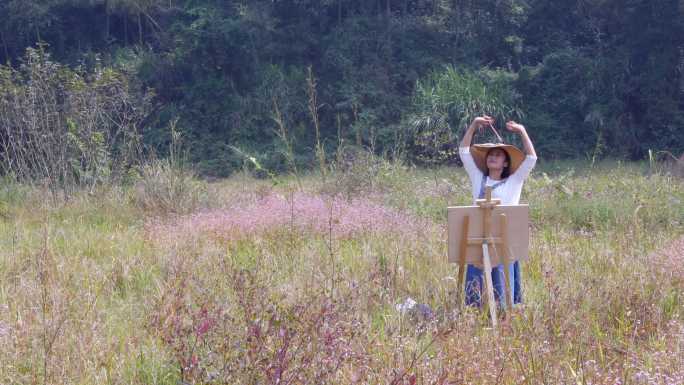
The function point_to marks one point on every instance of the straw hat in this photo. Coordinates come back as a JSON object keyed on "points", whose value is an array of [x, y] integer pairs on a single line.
{"points": [[479, 153]]}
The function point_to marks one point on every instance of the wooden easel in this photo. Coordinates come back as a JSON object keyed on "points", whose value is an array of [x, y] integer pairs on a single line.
{"points": [[487, 206]]}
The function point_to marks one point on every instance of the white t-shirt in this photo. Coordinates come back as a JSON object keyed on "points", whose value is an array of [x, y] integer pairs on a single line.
{"points": [[509, 192]]}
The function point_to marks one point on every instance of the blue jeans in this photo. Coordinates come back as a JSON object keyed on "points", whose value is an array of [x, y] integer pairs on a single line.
{"points": [[474, 286]]}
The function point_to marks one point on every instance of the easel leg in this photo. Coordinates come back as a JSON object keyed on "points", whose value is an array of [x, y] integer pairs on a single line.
{"points": [[488, 283], [461, 261], [506, 263]]}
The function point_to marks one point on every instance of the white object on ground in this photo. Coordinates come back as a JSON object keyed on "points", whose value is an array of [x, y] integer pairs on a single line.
{"points": [[408, 304]]}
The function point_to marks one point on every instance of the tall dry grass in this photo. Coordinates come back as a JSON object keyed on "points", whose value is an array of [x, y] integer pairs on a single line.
{"points": [[99, 289]]}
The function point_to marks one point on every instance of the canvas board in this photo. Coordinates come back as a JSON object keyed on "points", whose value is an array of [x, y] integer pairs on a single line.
{"points": [[518, 232]]}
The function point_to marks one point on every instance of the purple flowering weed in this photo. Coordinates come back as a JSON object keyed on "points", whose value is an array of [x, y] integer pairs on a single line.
{"points": [[313, 214]]}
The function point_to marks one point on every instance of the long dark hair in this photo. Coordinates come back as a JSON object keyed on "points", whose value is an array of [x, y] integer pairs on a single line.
{"points": [[507, 170]]}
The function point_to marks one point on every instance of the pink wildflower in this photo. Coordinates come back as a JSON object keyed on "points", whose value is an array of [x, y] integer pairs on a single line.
{"points": [[301, 212]]}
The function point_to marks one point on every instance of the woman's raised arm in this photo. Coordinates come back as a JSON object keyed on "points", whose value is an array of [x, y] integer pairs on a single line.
{"points": [[476, 124], [527, 142]]}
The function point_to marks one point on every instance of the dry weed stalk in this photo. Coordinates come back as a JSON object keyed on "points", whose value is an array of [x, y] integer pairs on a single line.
{"points": [[313, 110], [67, 128]]}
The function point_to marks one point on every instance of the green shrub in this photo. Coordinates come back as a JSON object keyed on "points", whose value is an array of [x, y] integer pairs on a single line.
{"points": [[165, 187], [357, 170], [447, 101], [68, 128]]}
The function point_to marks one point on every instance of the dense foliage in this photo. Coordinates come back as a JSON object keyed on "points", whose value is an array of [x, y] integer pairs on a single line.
{"points": [[290, 81], [68, 128]]}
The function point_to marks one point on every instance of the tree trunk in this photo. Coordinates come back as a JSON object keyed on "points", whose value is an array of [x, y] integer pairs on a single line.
{"points": [[140, 28], [125, 21], [106, 9], [388, 32], [4, 47], [681, 52], [339, 12], [681, 69]]}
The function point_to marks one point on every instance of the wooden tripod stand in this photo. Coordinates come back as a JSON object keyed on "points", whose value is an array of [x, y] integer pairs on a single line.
{"points": [[484, 212]]}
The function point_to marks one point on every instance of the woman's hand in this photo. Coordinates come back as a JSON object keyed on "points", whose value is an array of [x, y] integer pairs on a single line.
{"points": [[515, 127], [477, 124], [520, 129], [482, 121]]}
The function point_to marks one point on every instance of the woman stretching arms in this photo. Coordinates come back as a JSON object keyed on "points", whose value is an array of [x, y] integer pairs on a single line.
{"points": [[504, 168]]}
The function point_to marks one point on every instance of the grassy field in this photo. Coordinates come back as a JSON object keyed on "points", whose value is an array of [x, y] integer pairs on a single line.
{"points": [[247, 281]]}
